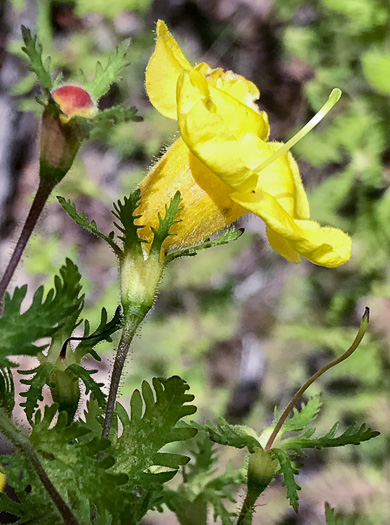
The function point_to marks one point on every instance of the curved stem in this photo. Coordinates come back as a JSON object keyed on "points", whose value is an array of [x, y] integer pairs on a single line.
{"points": [[129, 329], [40, 199], [314, 377], [22, 442]]}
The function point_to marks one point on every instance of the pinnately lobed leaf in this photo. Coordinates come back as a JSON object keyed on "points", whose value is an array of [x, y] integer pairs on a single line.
{"points": [[58, 311], [105, 76], [232, 234], [288, 471], [165, 224], [125, 213], [152, 424], [231, 435], [90, 226], [33, 49], [353, 435]]}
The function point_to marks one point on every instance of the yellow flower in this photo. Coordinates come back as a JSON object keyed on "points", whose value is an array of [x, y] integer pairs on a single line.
{"points": [[224, 165]]}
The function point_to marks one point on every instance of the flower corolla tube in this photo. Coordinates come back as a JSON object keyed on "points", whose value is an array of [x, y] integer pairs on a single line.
{"points": [[223, 163]]}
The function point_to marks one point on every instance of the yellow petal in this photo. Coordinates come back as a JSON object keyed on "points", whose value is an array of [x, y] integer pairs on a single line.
{"points": [[206, 203], [163, 70], [324, 246], [211, 135], [281, 179], [282, 246]]}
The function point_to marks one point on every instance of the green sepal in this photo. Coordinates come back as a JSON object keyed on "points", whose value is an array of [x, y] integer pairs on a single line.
{"points": [[90, 384], [105, 76], [231, 435], [125, 213], [165, 224], [41, 377], [33, 49], [232, 234], [91, 227], [288, 470]]}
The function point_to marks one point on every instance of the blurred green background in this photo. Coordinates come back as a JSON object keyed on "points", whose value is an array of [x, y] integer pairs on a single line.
{"points": [[241, 325]]}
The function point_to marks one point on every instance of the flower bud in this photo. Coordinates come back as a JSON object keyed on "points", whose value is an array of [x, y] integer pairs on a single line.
{"points": [[61, 136], [65, 391]]}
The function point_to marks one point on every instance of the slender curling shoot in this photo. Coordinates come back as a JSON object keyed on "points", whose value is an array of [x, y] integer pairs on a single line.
{"points": [[362, 330]]}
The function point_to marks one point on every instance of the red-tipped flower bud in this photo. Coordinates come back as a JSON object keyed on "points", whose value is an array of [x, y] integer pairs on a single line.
{"points": [[75, 101], [61, 136]]}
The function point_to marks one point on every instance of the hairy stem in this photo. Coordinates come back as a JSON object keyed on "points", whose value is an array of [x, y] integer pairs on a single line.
{"points": [[314, 377], [247, 506], [22, 442], [131, 324], [44, 189]]}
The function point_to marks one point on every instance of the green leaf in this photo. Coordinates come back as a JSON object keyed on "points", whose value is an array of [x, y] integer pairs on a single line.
{"points": [[31, 508], [376, 69], [227, 236], [338, 518], [231, 435], [165, 224], [41, 377], [353, 435], [105, 76], [288, 471], [33, 49], [90, 384], [58, 311], [91, 227], [7, 390], [302, 417], [114, 115], [153, 424], [204, 457], [125, 213], [102, 333]]}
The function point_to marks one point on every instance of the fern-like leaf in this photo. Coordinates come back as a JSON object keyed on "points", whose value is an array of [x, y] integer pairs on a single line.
{"points": [[231, 435], [340, 518], [33, 49], [153, 424], [105, 76], [41, 377], [232, 234], [102, 333], [303, 417], [125, 213], [59, 310], [165, 224], [90, 226], [7, 390], [90, 384], [353, 435], [288, 471]]}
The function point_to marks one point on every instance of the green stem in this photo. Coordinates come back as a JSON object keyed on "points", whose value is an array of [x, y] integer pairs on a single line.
{"points": [[132, 322], [44, 190], [22, 442], [314, 377], [247, 506]]}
